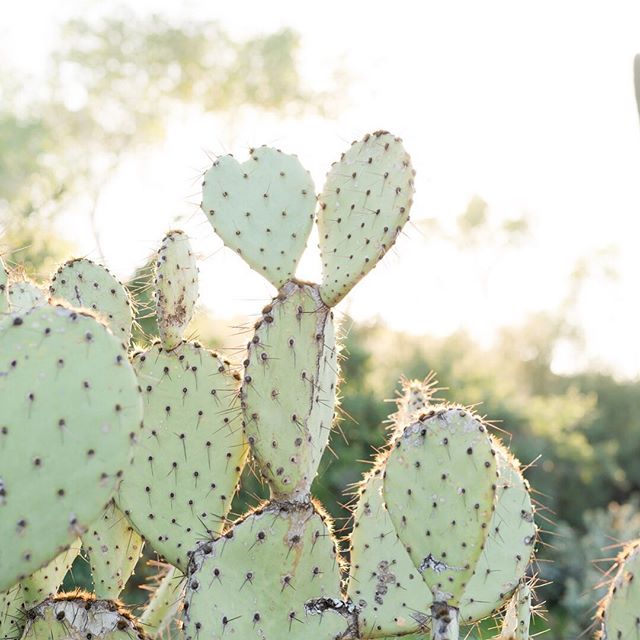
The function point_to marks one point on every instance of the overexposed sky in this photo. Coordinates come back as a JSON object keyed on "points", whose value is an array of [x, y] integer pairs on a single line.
{"points": [[529, 105]]}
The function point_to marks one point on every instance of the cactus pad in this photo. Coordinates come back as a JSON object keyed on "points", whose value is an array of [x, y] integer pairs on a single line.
{"points": [[78, 617], [415, 398], [289, 388], [262, 209], [180, 487], [25, 295], [439, 489], [32, 590], [383, 582], [70, 401], [509, 545], [517, 617], [176, 286], [164, 604], [88, 285], [254, 582], [363, 207], [113, 548], [619, 611]]}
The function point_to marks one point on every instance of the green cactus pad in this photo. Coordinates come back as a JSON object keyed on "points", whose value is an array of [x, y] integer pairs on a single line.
{"points": [[113, 548], [176, 287], [363, 207], [70, 400], [262, 208], [185, 475], [11, 613], [81, 617], [383, 582], [620, 608], [254, 582], [85, 284], [25, 295], [164, 604], [4, 285], [289, 388], [509, 545], [439, 489], [40, 585], [415, 398], [517, 617]]}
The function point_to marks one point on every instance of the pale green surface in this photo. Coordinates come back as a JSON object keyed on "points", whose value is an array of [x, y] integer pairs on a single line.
{"points": [[11, 606], [46, 581], [289, 388], [70, 402], [415, 398], [262, 209], [85, 284], [189, 462], [622, 604], [24, 295], [364, 204], [383, 580], [164, 604], [509, 545], [32, 590], [258, 580], [80, 619], [113, 548], [439, 489], [517, 617], [176, 284]]}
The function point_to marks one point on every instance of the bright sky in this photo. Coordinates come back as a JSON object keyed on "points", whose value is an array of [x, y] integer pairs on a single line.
{"points": [[529, 105]]}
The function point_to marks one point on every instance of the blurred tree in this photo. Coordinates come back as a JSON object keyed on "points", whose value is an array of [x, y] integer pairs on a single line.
{"points": [[110, 89]]}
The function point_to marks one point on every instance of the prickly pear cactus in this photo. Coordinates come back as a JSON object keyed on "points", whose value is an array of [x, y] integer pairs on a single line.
{"points": [[176, 287], [262, 209], [114, 548], [289, 388], [85, 284], [255, 581], [24, 294], [364, 204], [70, 401], [80, 617], [443, 526], [618, 613], [517, 617], [383, 577]]}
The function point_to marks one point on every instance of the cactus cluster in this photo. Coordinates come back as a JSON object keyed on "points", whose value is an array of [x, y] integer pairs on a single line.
{"points": [[443, 523]]}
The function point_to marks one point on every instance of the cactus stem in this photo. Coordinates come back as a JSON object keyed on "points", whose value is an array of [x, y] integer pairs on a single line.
{"points": [[445, 622]]}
